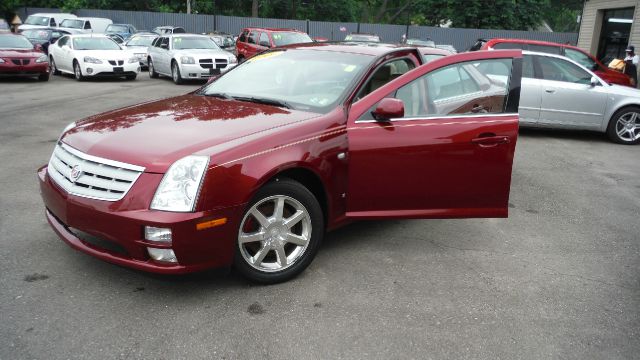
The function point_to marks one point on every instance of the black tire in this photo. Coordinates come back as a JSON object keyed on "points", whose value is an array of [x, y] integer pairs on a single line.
{"points": [[77, 71], [616, 129], [175, 73], [293, 191], [52, 65], [43, 77], [131, 77], [240, 59], [152, 70]]}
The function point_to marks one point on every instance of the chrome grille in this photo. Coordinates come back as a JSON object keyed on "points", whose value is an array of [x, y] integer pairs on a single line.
{"points": [[90, 176]]}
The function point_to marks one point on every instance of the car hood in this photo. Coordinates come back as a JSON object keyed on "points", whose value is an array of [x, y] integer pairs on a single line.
{"points": [[20, 53], [202, 52], [156, 134], [104, 54], [623, 91]]}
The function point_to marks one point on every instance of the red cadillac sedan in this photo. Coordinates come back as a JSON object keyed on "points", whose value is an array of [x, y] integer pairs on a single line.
{"points": [[18, 57], [254, 167]]}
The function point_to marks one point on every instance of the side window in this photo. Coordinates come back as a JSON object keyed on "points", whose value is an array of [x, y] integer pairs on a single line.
{"points": [[63, 41], [264, 40], [87, 25], [253, 38], [165, 41], [52, 22], [560, 70], [243, 36], [154, 43], [581, 58], [464, 88], [506, 45], [386, 73], [546, 49], [527, 67]]}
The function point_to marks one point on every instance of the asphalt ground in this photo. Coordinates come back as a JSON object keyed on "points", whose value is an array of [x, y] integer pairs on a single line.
{"points": [[558, 279]]}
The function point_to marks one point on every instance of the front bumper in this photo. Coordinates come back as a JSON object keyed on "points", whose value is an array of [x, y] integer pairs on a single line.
{"points": [[195, 71], [105, 69], [8, 68], [121, 224]]}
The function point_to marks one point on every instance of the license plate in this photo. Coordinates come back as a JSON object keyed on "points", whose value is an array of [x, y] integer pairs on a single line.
{"points": [[118, 69], [214, 71]]}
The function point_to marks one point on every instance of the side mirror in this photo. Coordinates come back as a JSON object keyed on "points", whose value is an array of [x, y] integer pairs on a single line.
{"points": [[594, 81], [37, 47], [389, 108]]}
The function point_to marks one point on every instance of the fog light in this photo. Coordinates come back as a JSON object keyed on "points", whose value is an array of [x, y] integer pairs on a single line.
{"points": [[89, 71], [164, 255], [193, 75], [156, 234]]}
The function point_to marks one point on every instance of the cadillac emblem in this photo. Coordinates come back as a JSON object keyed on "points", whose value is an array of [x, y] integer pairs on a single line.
{"points": [[76, 172]]}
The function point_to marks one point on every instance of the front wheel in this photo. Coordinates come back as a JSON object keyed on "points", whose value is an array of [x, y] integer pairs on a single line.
{"points": [[77, 71], [624, 127], [52, 64], [280, 233], [175, 73], [152, 70]]}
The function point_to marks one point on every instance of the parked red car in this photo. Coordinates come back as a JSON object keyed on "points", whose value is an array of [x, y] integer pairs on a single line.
{"points": [[19, 57], [572, 52], [252, 168], [254, 40]]}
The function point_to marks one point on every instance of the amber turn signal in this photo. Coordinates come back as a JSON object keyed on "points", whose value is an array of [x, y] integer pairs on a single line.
{"points": [[211, 223]]}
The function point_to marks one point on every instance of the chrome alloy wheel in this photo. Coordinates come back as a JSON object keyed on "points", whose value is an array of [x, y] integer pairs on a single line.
{"points": [[274, 233], [628, 127]]}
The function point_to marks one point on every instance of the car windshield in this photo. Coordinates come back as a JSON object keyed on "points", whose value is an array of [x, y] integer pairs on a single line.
{"points": [[37, 34], [94, 43], [287, 38], [308, 80], [37, 20], [141, 41], [117, 28], [14, 42], [364, 38], [183, 42], [72, 23], [431, 57], [421, 42]]}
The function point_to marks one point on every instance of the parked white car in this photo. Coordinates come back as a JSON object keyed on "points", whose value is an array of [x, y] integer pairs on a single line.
{"points": [[85, 25], [92, 55], [188, 56], [138, 45], [44, 20]]}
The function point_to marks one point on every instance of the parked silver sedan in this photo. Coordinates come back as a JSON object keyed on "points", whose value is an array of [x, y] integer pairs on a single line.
{"points": [[188, 56], [560, 93]]}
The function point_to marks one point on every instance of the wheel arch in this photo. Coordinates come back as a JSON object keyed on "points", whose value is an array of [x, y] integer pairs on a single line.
{"points": [[617, 109]]}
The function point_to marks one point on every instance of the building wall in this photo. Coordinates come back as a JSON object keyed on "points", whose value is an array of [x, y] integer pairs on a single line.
{"points": [[591, 25]]}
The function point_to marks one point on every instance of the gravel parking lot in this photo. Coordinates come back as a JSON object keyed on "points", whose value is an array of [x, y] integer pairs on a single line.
{"points": [[560, 278]]}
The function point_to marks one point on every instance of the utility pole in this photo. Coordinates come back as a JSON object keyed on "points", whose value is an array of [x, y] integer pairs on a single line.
{"points": [[188, 6]]}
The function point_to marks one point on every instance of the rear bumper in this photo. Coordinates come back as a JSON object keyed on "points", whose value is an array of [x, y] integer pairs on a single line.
{"points": [[121, 224]]}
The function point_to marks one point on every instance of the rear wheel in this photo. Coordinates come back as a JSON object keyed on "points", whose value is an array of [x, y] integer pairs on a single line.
{"points": [[77, 71], [280, 233], [175, 73], [624, 127], [53, 68], [152, 70]]}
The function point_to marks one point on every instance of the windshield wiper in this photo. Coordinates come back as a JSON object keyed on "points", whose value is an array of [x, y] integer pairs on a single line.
{"points": [[266, 101], [220, 95]]}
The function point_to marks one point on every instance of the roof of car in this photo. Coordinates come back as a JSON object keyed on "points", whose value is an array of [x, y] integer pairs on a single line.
{"points": [[533, 42], [428, 50], [168, 27], [373, 49], [273, 29], [88, 35]]}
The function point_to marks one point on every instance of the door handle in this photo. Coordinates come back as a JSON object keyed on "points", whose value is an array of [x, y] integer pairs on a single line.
{"points": [[550, 91], [490, 141]]}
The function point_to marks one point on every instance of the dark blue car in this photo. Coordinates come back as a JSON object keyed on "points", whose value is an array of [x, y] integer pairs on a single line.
{"points": [[124, 30]]}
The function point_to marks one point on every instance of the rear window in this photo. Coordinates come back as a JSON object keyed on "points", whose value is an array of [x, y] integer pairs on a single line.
{"points": [[36, 34], [506, 45]]}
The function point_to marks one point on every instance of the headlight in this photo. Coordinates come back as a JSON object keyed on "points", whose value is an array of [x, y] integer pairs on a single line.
{"points": [[179, 187], [187, 60], [233, 60], [141, 56], [133, 60], [1, 61], [42, 58], [89, 59]]}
